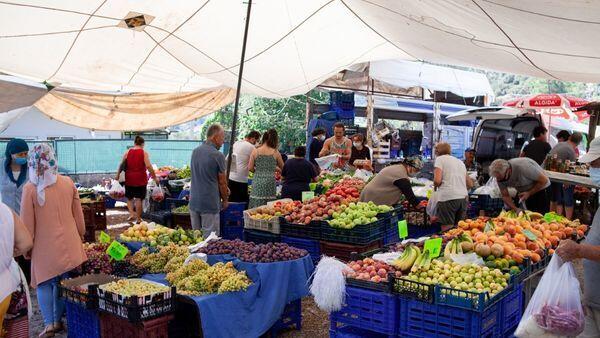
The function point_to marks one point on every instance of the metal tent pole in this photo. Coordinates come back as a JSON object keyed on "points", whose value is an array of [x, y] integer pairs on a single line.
{"points": [[237, 93]]}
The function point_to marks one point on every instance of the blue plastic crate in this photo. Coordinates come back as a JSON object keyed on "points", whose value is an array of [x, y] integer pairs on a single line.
{"points": [[312, 246], [354, 332], [232, 232], [109, 202], [512, 310], [234, 212], [416, 231], [468, 300], [232, 223], [421, 319], [391, 232], [369, 310], [259, 237], [82, 322], [291, 318]]}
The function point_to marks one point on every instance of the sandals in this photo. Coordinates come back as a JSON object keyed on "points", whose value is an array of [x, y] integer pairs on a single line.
{"points": [[48, 332], [58, 327]]}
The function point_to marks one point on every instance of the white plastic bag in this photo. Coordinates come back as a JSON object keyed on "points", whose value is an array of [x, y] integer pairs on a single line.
{"points": [[362, 174], [327, 162], [116, 190], [432, 204], [157, 194], [555, 308]]}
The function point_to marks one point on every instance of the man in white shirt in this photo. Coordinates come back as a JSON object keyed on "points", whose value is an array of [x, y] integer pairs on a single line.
{"points": [[238, 177]]}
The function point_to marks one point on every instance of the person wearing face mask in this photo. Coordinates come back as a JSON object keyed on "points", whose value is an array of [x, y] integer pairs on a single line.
{"points": [[360, 156], [12, 179], [589, 251], [14, 174], [316, 144], [388, 186]]}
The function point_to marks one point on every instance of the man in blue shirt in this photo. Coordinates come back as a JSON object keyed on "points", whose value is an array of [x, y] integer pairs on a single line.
{"points": [[209, 192]]}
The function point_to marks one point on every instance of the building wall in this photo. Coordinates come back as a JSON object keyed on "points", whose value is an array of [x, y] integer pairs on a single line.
{"points": [[35, 125]]}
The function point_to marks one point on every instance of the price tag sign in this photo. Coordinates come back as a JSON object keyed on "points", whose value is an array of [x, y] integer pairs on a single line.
{"points": [[104, 237], [307, 195], [434, 246], [530, 235], [429, 192], [117, 250], [402, 229], [488, 227]]}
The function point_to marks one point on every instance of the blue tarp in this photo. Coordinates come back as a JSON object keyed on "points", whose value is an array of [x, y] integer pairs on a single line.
{"points": [[252, 312]]}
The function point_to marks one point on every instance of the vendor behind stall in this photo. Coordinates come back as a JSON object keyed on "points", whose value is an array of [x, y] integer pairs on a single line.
{"points": [[563, 195], [388, 186], [360, 156], [527, 177], [338, 144], [297, 174], [316, 144]]}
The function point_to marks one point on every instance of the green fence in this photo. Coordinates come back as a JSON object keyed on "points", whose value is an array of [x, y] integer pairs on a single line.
{"points": [[104, 156]]}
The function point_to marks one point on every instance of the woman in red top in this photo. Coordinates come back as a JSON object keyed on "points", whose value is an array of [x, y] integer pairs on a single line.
{"points": [[135, 163]]}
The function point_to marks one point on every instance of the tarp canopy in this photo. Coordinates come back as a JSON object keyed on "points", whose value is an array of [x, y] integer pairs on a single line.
{"points": [[163, 46], [409, 74], [138, 111]]}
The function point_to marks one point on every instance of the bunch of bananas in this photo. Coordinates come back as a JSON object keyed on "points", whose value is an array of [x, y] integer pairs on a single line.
{"points": [[408, 258]]}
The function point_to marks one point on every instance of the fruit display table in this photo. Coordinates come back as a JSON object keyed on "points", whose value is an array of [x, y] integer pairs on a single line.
{"points": [[253, 312]]}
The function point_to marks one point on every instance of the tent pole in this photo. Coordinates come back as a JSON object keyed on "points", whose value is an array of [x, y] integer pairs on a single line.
{"points": [[237, 93], [370, 108]]}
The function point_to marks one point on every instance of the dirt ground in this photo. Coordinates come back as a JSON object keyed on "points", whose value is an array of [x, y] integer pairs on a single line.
{"points": [[315, 323]]}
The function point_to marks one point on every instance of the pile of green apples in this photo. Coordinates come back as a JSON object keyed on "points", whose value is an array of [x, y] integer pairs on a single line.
{"points": [[354, 214], [468, 277]]}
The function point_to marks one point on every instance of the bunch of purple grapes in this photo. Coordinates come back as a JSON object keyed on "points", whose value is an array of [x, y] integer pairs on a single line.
{"points": [[124, 268], [98, 260], [254, 253]]}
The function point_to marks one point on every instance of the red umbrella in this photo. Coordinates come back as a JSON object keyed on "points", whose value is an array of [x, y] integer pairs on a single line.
{"points": [[559, 105]]}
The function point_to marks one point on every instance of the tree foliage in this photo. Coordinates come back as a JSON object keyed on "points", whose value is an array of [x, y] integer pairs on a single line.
{"points": [[287, 116]]}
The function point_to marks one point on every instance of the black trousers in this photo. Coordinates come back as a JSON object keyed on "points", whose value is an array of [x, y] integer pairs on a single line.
{"points": [[539, 202], [239, 192]]}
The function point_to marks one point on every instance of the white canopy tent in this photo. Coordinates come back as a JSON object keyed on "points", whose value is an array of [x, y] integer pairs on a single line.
{"points": [[292, 46], [162, 46]]}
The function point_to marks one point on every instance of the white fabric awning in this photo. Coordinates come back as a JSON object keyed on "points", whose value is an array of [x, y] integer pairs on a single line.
{"points": [[406, 74], [293, 45]]}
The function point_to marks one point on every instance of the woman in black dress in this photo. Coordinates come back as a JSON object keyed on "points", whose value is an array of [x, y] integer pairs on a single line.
{"points": [[297, 174]]}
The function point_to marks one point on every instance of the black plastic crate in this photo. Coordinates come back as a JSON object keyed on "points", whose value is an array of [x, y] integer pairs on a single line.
{"points": [[89, 297], [163, 217], [260, 237], [136, 309], [360, 234], [413, 289], [311, 230], [364, 284]]}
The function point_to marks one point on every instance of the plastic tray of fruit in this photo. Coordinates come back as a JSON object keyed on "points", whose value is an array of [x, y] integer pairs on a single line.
{"points": [[359, 234], [413, 289], [311, 230], [266, 224], [137, 308], [81, 290]]}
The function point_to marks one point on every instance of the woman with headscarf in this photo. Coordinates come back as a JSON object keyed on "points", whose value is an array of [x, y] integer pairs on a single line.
{"points": [[14, 240], [14, 175], [52, 213], [12, 180]]}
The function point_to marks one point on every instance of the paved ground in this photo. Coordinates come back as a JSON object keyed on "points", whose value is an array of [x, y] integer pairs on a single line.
{"points": [[315, 323]]}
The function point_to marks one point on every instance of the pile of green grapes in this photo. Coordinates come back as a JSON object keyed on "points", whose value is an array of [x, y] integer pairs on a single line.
{"points": [[198, 278], [170, 256]]}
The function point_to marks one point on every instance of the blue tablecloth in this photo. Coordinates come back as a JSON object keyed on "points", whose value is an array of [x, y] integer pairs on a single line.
{"points": [[252, 312]]}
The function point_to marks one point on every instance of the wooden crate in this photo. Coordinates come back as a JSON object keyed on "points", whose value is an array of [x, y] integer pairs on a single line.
{"points": [[94, 215]]}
